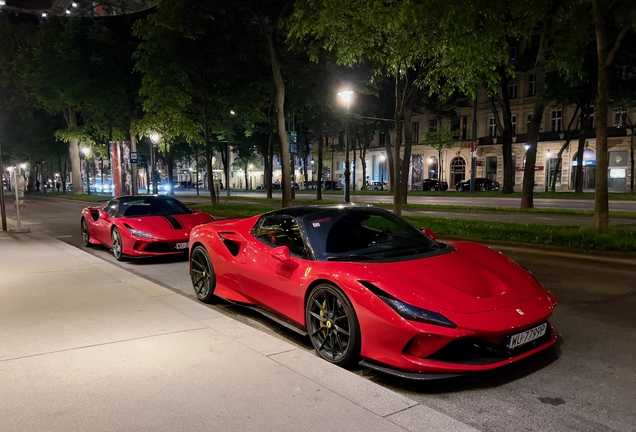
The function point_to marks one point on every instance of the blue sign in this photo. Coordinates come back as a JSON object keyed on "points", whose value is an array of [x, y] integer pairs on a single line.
{"points": [[134, 157]]}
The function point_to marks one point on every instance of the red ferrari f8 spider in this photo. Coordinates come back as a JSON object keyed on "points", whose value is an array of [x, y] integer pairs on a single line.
{"points": [[368, 287], [141, 226]]}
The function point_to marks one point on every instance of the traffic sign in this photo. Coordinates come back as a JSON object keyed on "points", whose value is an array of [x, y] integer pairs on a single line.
{"points": [[134, 157]]}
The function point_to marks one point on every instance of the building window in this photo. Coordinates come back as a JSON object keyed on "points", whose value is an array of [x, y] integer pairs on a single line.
{"points": [[491, 167], [492, 127], [415, 128], [432, 125], [619, 117], [528, 120], [382, 139], [432, 167], [455, 128], [512, 89], [458, 170], [513, 120], [464, 126], [532, 85], [514, 51], [555, 121]]}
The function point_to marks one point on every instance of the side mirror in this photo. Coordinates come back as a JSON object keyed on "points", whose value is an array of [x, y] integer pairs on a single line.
{"points": [[196, 210], [429, 233], [281, 253], [103, 215]]}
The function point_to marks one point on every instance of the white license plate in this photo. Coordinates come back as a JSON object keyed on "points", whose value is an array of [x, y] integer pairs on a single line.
{"points": [[527, 336], [183, 245]]}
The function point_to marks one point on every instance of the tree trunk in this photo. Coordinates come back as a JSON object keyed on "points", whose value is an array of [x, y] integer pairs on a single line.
{"points": [[208, 157], [73, 151], [527, 198], [601, 204], [280, 112], [389, 156], [397, 179]]}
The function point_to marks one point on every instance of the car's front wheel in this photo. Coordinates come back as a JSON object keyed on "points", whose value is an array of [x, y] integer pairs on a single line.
{"points": [[333, 325], [117, 247], [202, 275], [459, 188], [86, 234]]}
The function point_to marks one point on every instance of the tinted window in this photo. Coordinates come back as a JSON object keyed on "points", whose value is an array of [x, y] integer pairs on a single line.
{"points": [[280, 230], [365, 234], [136, 206], [111, 208]]}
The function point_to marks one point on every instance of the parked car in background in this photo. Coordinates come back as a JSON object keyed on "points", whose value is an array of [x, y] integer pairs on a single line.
{"points": [[481, 184], [433, 185], [332, 185], [376, 185], [141, 226]]}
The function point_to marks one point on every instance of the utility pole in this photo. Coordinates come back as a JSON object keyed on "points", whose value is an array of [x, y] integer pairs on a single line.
{"points": [[473, 148], [3, 210]]}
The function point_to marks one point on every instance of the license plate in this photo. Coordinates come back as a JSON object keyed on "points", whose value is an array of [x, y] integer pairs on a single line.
{"points": [[523, 338], [183, 245]]}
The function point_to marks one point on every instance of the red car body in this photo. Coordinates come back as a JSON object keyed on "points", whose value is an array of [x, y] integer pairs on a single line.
{"points": [[147, 225], [481, 298]]}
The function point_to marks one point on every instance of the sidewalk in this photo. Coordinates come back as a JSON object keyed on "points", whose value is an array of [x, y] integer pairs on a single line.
{"points": [[88, 346]]}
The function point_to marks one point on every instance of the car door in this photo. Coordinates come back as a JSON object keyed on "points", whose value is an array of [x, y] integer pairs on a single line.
{"points": [[105, 220], [270, 282]]}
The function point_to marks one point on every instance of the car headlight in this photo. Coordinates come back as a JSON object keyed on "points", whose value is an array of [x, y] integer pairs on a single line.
{"points": [[408, 311], [139, 233]]}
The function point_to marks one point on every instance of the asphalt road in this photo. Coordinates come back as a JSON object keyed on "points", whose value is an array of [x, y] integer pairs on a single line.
{"points": [[587, 384], [452, 198]]}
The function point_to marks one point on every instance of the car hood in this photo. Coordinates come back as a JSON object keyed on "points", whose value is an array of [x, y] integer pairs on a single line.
{"points": [[163, 226], [471, 279]]}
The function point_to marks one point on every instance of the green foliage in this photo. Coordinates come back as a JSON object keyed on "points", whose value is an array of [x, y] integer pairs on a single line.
{"points": [[583, 238]]}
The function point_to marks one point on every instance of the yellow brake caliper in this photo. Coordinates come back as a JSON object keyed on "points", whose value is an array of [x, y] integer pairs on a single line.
{"points": [[322, 314]]}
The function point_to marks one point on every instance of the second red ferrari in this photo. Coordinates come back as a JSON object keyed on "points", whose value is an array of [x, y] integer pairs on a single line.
{"points": [[141, 226]]}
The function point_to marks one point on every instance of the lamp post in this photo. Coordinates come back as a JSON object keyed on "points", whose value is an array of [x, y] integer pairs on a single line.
{"points": [[382, 159], [3, 210], [86, 151], [346, 97], [154, 138], [548, 174]]}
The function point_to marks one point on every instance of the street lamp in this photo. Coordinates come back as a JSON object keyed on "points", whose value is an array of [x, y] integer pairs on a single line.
{"points": [[154, 138], [382, 159], [548, 174], [86, 151], [346, 98]]}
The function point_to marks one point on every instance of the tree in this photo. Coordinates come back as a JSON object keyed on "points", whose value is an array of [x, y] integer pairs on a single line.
{"points": [[622, 16]]}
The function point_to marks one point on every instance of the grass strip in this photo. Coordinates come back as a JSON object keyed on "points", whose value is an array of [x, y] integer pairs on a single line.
{"points": [[581, 238]]}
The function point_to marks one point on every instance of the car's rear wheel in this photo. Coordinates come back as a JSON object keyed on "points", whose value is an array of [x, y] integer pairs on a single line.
{"points": [[202, 275], [86, 234], [117, 247], [433, 188], [482, 188], [333, 325], [459, 188]]}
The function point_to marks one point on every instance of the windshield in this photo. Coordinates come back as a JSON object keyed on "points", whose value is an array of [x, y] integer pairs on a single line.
{"points": [[364, 234], [136, 206]]}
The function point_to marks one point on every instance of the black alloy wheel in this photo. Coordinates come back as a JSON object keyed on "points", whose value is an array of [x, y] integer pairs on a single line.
{"points": [[86, 235], [482, 188], [433, 188], [202, 275], [333, 325], [118, 248], [459, 188]]}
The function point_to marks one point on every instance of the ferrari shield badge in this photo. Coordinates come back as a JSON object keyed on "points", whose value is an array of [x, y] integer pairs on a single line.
{"points": [[307, 271]]}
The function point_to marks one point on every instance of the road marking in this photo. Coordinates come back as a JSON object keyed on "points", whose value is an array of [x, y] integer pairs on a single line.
{"points": [[66, 236]]}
